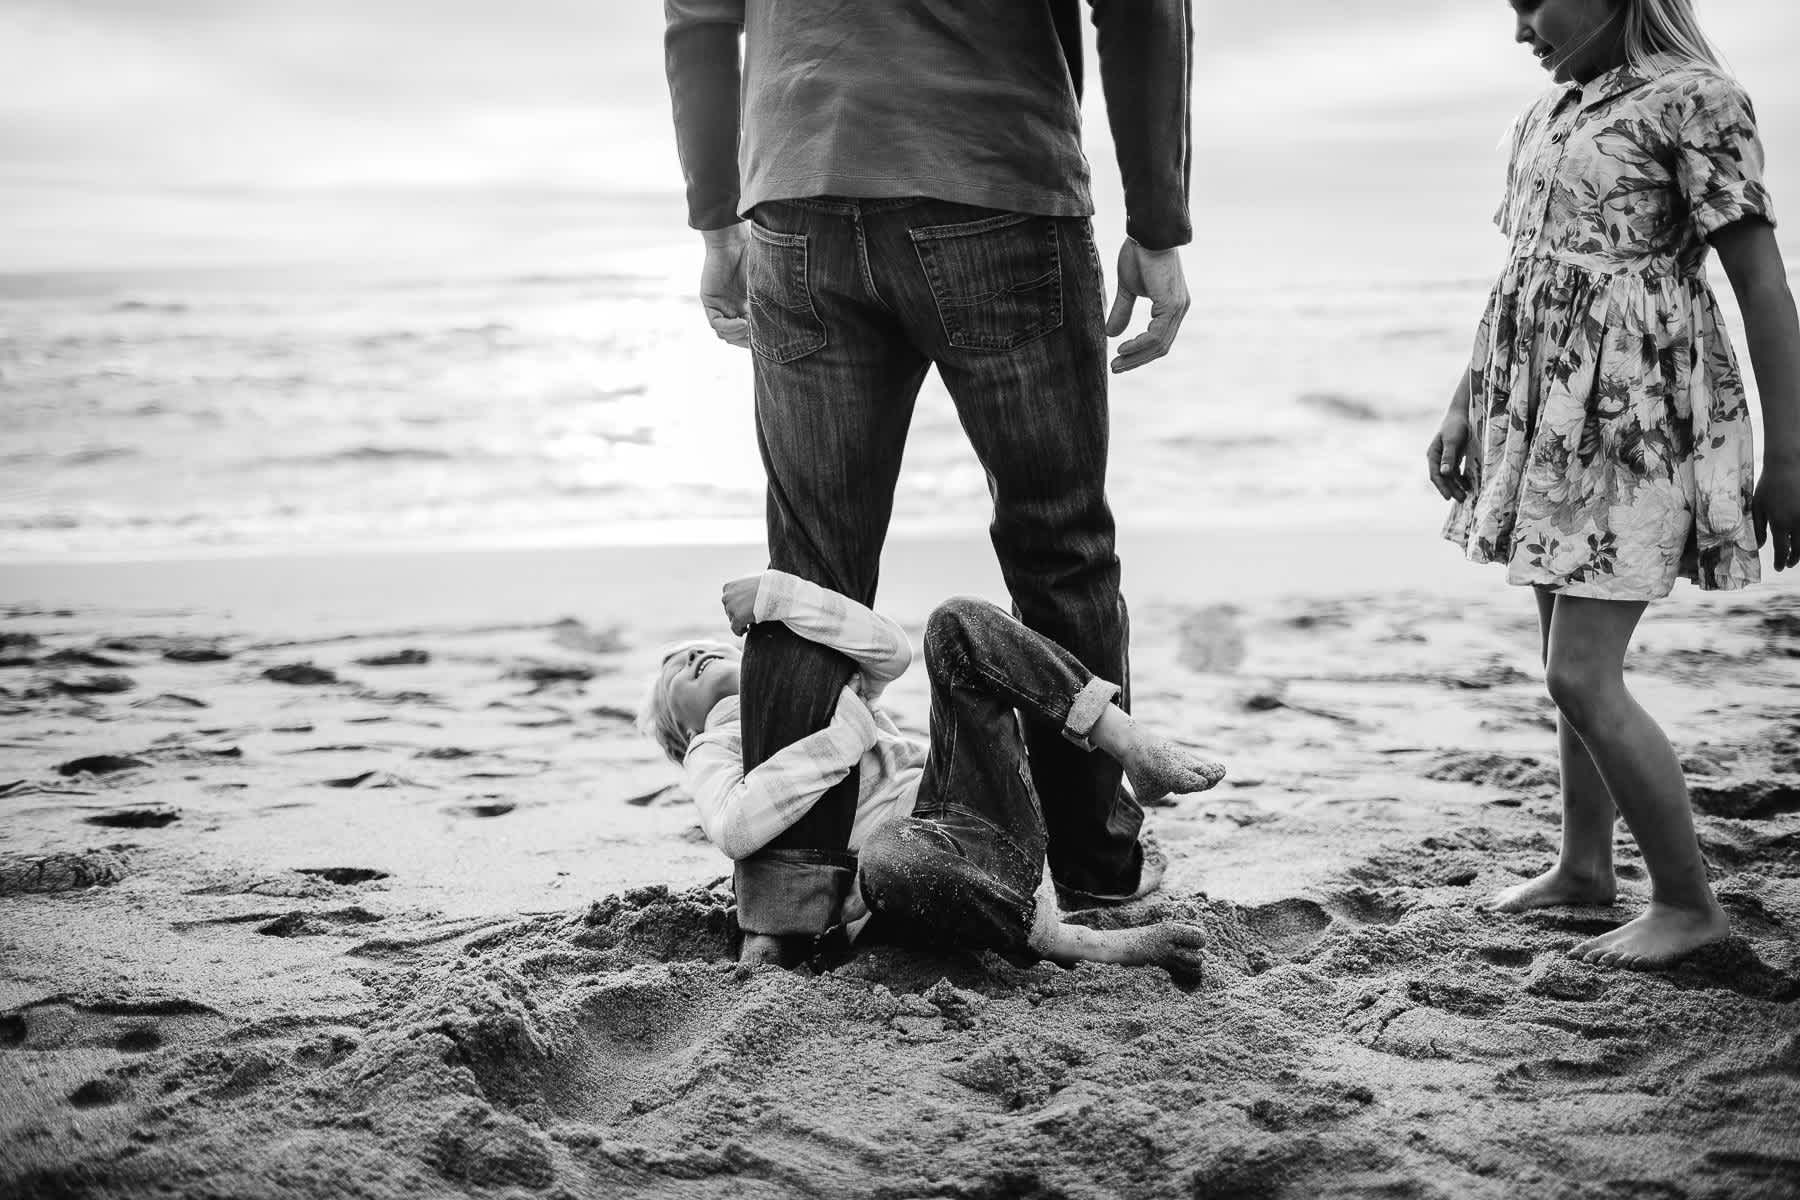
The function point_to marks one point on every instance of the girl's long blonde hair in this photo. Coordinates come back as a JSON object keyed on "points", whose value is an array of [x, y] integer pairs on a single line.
{"points": [[1666, 27]]}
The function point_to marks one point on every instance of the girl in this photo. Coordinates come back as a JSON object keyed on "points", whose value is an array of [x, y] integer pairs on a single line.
{"points": [[1604, 423], [951, 839]]}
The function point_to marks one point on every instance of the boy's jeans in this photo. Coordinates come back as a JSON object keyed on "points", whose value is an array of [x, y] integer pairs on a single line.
{"points": [[851, 302], [964, 867]]}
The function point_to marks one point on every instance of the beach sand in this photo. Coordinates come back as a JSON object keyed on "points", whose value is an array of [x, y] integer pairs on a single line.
{"points": [[305, 894]]}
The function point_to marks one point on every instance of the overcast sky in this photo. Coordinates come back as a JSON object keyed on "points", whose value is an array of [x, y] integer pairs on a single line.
{"points": [[168, 132]]}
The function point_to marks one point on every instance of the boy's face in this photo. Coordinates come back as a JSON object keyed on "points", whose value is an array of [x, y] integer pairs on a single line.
{"points": [[699, 677]]}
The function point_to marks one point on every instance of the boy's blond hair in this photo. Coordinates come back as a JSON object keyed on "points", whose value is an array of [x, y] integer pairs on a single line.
{"points": [[655, 719]]}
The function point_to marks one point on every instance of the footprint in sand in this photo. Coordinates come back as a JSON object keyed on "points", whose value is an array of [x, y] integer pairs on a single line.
{"points": [[301, 674], [343, 876], [1746, 799], [98, 764], [318, 924], [65, 872], [1289, 927], [396, 658], [135, 818], [484, 808], [98, 1093]]}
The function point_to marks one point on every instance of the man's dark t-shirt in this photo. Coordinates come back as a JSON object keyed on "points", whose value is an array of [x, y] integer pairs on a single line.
{"points": [[974, 101]]}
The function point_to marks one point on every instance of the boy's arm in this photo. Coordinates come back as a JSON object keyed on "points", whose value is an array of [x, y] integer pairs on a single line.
{"points": [[818, 614], [1752, 262], [740, 813]]}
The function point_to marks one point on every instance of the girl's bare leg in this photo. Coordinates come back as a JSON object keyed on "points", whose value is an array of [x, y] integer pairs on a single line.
{"points": [[1632, 756], [1583, 874]]}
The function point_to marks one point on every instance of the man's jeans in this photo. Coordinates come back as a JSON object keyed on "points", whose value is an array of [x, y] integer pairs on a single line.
{"points": [[963, 868], [851, 301]]}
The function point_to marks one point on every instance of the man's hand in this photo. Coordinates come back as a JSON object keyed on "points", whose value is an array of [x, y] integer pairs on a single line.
{"points": [[1155, 275], [1776, 511], [739, 599], [722, 291]]}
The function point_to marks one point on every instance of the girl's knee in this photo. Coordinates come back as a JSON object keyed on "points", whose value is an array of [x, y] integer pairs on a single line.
{"points": [[1580, 687]]}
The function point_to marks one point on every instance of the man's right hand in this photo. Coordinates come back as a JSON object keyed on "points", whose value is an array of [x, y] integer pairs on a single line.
{"points": [[722, 291], [1156, 276]]}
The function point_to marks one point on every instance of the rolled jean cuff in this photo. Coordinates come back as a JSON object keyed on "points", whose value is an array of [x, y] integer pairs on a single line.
{"points": [[1085, 713], [787, 892]]}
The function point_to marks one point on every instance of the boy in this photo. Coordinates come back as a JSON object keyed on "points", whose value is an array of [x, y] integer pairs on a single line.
{"points": [[950, 838]]}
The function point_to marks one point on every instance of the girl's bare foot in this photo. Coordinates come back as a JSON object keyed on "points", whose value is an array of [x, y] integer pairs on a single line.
{"points": [[1158, 767], [1657, 938], [1557, 886]]}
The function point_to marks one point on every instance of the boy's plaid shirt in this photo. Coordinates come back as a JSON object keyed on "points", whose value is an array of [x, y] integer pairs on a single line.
{"points": [[740, 813]]}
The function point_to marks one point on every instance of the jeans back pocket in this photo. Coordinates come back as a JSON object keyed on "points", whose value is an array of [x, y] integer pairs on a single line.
{"points": [[783, 324], [997, 281]]}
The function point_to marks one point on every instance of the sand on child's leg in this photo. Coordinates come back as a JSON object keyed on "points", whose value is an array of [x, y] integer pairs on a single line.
{"points": [[1176, 946], [1156, 766]]}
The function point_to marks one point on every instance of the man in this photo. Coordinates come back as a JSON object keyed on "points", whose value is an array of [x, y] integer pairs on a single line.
{"points": [[917, 197]]}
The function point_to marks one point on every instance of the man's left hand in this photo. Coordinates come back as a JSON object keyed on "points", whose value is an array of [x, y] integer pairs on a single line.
{"points": [[1156, 276]]}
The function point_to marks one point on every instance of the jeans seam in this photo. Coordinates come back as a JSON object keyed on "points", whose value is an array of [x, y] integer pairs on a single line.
{"points": [[969, 666], [862, 261]]}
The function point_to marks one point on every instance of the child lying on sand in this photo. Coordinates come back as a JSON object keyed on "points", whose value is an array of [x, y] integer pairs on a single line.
{"points": [[950, 838]]}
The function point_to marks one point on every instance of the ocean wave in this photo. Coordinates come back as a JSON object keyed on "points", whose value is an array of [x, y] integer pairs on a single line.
{"points": [[360, 454], [98, 454], [1339, 405], [165, 308], [489, 332]]}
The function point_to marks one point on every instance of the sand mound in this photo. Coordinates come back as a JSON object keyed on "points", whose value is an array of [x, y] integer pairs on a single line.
{"points": [[620, 1052]]}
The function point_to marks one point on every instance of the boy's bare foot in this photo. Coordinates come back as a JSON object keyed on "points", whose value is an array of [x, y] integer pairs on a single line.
{"points": [[1158, 767], [767, 949], [1557, 886], [1657, 938]]}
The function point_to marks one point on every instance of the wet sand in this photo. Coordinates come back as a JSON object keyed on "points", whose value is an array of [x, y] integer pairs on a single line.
{"points": [[306, 898]]}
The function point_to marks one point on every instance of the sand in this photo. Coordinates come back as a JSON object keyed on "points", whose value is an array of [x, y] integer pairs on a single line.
{"points": [[302, 898]]}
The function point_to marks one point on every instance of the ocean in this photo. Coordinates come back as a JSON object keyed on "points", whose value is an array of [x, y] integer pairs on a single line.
{"points": [[158, 414]]}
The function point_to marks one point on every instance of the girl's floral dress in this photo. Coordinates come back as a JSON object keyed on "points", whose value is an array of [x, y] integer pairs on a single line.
{"points": [[1612, 444]]}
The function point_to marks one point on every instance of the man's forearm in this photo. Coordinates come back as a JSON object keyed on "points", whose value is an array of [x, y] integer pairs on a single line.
{"points": [[700, 54], [1146, 71]]}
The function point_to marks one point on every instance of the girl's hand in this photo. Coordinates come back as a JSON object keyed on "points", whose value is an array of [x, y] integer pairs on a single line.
{"points": [[739, 599], [1444, 457], [1776, 510]]}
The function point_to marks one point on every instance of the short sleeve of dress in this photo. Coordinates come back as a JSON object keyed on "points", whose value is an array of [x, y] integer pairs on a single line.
{"points": [[1719, 158], [1513, 141]]}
